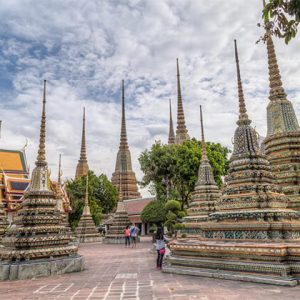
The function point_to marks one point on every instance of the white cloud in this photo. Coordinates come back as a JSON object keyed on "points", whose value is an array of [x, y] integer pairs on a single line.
{"points": [[84, 49]]}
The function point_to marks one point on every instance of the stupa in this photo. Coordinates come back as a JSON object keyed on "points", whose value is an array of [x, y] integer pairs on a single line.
{"points": [[86, 230], [125, 181], [171, 139], [38, 244], [181, 130], [206, 192], [59, 197], [282, 144], [252, 235], [82, 166]]}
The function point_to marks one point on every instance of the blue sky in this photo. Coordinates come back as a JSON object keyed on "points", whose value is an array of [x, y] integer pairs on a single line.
{"points": [[84, 48]]}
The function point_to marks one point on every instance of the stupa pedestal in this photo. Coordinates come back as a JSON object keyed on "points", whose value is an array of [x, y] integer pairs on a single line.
{"points": [[115, 233], [38, 244]]}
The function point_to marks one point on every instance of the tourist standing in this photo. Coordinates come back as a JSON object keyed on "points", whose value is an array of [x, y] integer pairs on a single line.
{"points": [[134, 230], [161, 241], [127, 236]]}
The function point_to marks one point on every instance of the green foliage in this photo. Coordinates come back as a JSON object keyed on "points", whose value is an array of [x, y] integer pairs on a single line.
{"points": [[102, 197], [154, 212], [171, 170], [173, 205], [174, 215], [282, 18]]}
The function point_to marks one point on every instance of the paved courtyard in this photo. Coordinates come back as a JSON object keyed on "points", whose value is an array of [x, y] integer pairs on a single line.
{"points": [[116, 272]]}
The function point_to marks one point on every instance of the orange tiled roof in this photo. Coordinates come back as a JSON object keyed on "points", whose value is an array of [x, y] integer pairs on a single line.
{"points": [[13, 162]]}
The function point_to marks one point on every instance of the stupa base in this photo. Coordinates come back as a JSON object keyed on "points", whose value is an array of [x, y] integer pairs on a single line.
{"points": [[117, 239], [90, 239], [40, 268], [270, 263], [222, 274]]}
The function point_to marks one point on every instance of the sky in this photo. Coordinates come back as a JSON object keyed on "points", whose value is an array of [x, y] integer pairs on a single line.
{"points": [[84, 48]]}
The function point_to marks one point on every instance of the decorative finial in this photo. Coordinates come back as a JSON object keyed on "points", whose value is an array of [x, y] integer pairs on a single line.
{"points": [[171, 128], [123, 138], [243, 117], [204, 151], [41, 158], [83, 140]]}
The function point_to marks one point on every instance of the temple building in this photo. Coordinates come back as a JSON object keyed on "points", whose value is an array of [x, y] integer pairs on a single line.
{"points": [[38, 244], [252, 236], [171, 139], [125, 181], [14, 179], [181, 130], [206, 193], [82, 166], [282, 144], [86, 230]]}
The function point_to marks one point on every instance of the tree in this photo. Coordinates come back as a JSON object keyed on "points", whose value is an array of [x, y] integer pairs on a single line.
{"points": [[102, 197], [282, 18], [154, 212], [174, 216], [171, 170]]}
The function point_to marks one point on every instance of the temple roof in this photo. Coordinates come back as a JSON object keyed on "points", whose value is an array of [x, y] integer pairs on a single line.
{"points": [[13, 162]]}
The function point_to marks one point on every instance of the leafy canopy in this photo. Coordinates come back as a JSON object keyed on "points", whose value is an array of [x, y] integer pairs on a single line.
{"points": [[154, 212], [170, 171], [282, 17], [102, 197]]}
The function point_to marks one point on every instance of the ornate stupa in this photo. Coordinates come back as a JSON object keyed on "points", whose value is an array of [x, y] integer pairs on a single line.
{"points": [[282, 144], [171, 139], [124, 177], [206, 192], [38, 244], [181, 130], [252, 235], [82, 166], [59, 197], [86, 230]]}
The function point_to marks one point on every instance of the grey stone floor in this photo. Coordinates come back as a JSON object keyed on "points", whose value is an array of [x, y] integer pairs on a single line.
{"points": [[116, 272]]}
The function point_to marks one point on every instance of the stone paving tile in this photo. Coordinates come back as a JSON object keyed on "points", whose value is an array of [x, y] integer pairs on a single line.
{"points": [[117, 273]]}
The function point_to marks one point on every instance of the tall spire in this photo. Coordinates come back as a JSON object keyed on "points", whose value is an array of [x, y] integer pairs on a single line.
{"points": [[82, 166], [204, 152], [86, 209], [59, 171], [276, 88], [171, 128], [123, 177], [41, 158], [243, 117], [181, 131], [86, 202], [123, 137], [83, 143]]}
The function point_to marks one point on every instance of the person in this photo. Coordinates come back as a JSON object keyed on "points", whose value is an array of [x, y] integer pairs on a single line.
{"points": [[127, 236], [160, 240], [134, 230]]}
